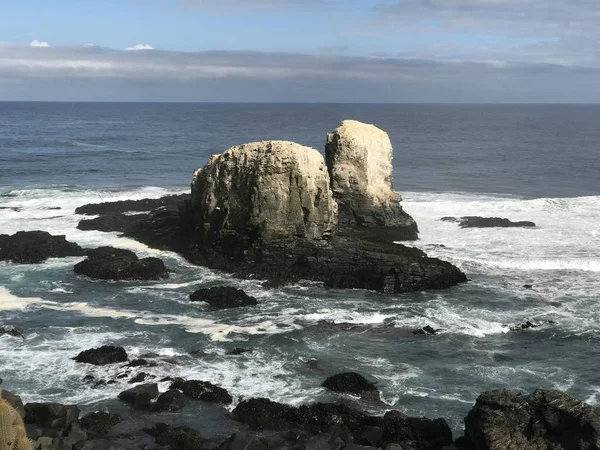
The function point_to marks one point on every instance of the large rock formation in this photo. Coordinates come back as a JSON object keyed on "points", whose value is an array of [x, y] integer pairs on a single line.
{"points": [[271, 189], [551, 420], [267, 210], [359, 161]]}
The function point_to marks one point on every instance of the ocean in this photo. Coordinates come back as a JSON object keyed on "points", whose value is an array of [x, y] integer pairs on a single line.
{"points": [[522, 162]]}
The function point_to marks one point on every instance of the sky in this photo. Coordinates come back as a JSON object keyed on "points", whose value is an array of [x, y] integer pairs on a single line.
{"points": [[398, 51]]}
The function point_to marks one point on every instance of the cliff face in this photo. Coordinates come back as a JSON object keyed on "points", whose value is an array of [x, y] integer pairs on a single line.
{"points": [[270, 189], [359, 161]]}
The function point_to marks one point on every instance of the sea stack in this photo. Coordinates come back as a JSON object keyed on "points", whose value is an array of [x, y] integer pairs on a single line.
{"points": [[359, 161], [271, 189]]}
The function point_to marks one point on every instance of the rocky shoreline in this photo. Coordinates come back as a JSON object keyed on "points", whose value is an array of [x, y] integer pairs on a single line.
{"points": [[280, 212], [500, 419]]}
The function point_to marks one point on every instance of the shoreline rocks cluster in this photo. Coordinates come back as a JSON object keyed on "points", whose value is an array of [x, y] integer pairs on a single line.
{"points": [[546, 419]]}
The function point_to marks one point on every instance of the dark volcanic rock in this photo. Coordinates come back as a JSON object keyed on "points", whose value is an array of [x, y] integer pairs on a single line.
{"points": [[98, 424], [203, 390], [146, 204], [51, 415], [9, 330], [108, 263], [504, 419], [353, 383], [177, 438], [486, 222], [107, 354], [111, 222], [29, 247], [393, 428], [140, 396], [172, 400], [223, 297]]}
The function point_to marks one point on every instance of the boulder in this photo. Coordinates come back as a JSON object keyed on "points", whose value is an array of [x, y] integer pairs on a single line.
{"points": [[51, 415], [223, 297], [203, 390], [140, 396], [487, 222], [107, 354], [30, 247], [108, 263], [427, 329], [123, 206], [359, 161], [546, 419], [244, 441], [352, 383], [269, 190]]}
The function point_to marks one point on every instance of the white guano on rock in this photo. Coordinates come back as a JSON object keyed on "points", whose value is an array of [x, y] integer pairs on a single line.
{"points": [[268, 189]]}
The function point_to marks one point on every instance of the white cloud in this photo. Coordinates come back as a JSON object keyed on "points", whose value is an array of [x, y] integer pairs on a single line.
{"points": [[36, 43], [140, 47]]}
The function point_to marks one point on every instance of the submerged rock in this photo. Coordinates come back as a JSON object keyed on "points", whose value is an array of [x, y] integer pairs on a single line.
{"points": [[503, 419], [30, 247], [353, 383], [9, 330], [359, 160], [108, 263], [107, 354], [487, 222], [223, 297]]}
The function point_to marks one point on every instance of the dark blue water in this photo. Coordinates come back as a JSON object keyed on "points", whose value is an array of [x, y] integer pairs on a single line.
{"points": [[537, 163], [534, 151]]}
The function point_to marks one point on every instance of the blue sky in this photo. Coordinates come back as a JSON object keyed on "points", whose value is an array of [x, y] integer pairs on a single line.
{"points": [[451, 50]]}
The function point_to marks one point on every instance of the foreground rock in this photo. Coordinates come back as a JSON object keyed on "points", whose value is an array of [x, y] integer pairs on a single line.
{"points": [[487, 222], [266, 210], [352, 383], [223, 297], [123, 206], [108, 263], [31, 247], [393, 428], [504, 419], [107, 354], [359, 161]]}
